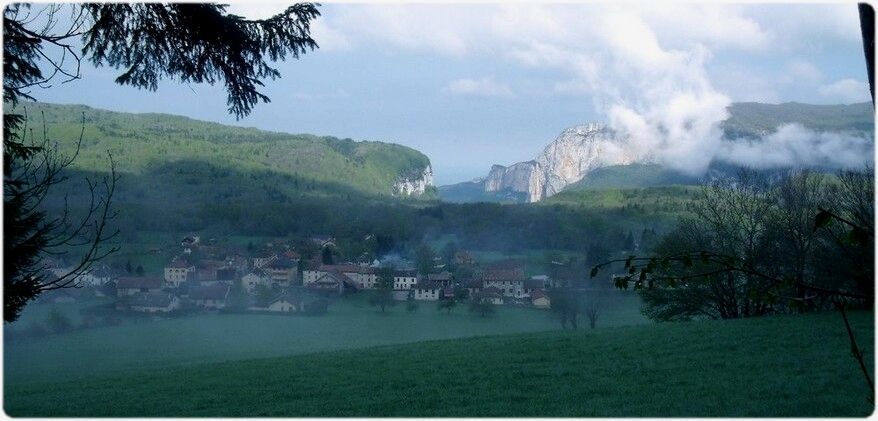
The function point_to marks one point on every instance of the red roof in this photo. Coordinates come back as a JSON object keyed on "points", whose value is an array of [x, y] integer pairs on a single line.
{"points": [[208, 292], [504, 275], [179, 264]]}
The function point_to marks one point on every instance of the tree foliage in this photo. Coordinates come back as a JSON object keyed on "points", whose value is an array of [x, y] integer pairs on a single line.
{"points": [[187, 42]]}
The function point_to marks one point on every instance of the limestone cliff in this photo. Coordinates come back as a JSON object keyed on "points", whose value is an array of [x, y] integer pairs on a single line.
{"points": [[414, 185], [572, 155]]}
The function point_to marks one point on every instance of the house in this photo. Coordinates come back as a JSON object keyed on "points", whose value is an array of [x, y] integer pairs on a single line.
{"points": [[209, 296], [365, 277], [442, 278], [510, 282], [255, 278], [535, 283], [92, 277], [404, 279], [426, 290], [178, 271], [539, 299], [286, 302], [281, 270], [153, 302], [491, 294], [206, 270], [473, 286], [260, 261], [334, 281], [322, 240], [130, 285]]}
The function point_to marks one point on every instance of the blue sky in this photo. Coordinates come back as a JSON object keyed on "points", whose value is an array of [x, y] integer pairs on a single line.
{"points": [[475, 85]]}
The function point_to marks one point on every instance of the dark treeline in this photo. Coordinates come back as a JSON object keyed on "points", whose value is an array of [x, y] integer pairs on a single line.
{"points": [[784, 257]]}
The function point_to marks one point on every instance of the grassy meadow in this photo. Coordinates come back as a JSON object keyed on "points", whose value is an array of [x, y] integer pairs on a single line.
{"points": [[172, 343], [793, 366]]}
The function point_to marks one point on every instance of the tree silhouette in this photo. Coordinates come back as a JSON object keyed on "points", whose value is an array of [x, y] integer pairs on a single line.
{"points": [[199, 43]]}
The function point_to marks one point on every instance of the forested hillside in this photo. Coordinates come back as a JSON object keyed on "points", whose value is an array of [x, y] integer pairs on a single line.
{"points": [[162, 156]]}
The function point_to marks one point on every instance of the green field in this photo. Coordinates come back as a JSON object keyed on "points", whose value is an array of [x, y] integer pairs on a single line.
{"points": [[773, 366], [350, 323]]}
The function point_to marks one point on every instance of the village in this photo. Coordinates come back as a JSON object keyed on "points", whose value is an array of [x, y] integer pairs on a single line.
{"points": [[279, 280]]}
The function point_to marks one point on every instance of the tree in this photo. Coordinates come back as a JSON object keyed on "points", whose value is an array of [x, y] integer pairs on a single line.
{"points": [[482, 306], [190, 42], [139, 270], [592, 311], [263, 295], [57, 322], [566, 306], [446, 305], [382, 296], [424, 259], [411, 305], [326, 256]]}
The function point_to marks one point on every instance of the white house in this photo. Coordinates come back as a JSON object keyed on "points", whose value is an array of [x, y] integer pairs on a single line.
{"points": [[404, 279], [427, 290], [178, 271]]}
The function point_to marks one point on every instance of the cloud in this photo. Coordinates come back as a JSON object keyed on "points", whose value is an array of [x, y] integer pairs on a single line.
{"points": [[648, 69], [485, 87], [793, 145], [847, 90]]}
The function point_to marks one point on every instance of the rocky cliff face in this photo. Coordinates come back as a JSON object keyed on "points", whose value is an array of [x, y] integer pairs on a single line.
{"points": [[575, 153], [414, 186]]}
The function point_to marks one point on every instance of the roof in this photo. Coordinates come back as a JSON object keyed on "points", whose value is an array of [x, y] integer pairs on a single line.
{"points": [[443, 276], [473, 283], [151, 299], [347, 268], [426, 285], [179, 264], [286, 295], [504, 275], [534, 283], [208, 292], [336, 277], [280, 263], [139, 282], [405, 273], [490, 292], [538, 293]]}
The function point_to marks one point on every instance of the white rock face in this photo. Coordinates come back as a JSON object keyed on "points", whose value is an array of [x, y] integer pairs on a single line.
{"points": [[576, 152], [414, 186]]}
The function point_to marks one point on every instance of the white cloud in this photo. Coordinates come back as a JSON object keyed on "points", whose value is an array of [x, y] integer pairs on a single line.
{"points": [[486, 87], [847, 90], [794, 145], [647, 68]]}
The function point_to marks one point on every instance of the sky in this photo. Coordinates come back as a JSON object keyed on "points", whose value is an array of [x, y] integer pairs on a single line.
{"points": [[471, 85]]}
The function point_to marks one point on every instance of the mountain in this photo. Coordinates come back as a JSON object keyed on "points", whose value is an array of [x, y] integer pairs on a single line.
{"points": [[192, 156], [589, 156]]}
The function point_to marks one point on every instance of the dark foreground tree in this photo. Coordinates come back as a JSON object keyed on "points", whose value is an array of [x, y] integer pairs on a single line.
{"points": [[190, 42]]}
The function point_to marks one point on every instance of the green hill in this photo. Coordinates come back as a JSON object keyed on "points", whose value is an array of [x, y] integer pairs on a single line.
{"points": [[162, 156], [790, 366], [753, 119]]}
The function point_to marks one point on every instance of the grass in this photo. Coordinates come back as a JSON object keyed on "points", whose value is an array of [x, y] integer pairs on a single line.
{"points": [[174, 343], [775, 366]]}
